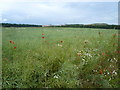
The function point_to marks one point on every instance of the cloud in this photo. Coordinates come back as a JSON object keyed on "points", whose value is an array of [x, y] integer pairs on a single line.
{"points": [[60, 0], [59, 12], [3, 20]]}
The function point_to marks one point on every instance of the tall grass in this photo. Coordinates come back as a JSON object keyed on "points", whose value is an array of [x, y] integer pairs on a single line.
{"points": [[64, 58]]}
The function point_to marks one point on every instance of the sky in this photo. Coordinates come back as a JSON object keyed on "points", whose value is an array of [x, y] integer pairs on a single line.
{"points": [[59, 12]]}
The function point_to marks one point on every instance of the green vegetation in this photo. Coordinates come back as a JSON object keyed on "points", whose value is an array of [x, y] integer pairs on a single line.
{"points": [[18, 25], [51, 57], [95, 25]]}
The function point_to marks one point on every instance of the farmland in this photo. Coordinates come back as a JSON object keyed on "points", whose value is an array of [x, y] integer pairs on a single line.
{"points": [[45, 57]]}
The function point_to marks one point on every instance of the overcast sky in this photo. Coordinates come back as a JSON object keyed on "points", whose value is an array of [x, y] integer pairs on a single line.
{"points": [[45, 13]]}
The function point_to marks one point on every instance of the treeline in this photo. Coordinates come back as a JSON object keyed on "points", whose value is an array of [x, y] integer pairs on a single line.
{"points": [[101, 26], [96, 25], [19, 25]]}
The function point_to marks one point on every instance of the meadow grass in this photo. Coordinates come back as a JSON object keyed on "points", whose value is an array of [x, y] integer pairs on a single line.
{"points": [[64, 58]]}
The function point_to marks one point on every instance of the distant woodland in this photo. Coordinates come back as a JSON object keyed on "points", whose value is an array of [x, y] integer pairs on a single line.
{"points": [[95, 25]]}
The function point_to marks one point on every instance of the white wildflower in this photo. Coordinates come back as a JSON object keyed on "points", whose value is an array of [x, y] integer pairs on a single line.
{"points": [[86, 41], [114, 72], [59, 45], [109, 79], [78, 54], [88, 54], [83, 59], [115, 59], [56, 76]]}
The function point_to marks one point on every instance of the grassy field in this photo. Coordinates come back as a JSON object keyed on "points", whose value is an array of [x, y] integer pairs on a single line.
{"points": [[59, 58]]}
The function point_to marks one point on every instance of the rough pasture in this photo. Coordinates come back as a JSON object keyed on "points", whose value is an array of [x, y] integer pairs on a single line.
{"points": [[59, 58]]}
